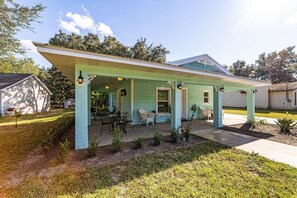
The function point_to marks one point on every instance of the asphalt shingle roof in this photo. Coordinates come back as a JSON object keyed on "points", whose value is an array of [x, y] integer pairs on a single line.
{"points": [[283, 87], [9, 79]]}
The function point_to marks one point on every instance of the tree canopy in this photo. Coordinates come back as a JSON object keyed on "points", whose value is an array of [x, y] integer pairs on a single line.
{"points": [[277, 67], [15, 17], [141, 50]]}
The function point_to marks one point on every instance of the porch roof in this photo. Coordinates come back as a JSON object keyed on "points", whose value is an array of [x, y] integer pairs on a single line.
{"points": [[66, 59]]}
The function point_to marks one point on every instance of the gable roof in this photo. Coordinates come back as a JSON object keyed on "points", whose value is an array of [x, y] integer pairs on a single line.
{"points": [[8, 80], [202, 59], [283, 87]]}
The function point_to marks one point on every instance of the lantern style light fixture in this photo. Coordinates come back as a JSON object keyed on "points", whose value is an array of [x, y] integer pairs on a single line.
{"points": [[106, 87], [222, 89], [80, 79], [180, 85], [255, 91], [120, 79], [123, 92]]}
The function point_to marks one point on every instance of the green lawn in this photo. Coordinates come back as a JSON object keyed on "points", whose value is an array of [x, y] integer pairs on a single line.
{"points": [[204, 170], [264, 113], [16, 143]]}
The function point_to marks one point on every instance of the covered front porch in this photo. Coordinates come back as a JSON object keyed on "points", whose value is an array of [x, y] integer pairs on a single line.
{"points": [[88, 70]]}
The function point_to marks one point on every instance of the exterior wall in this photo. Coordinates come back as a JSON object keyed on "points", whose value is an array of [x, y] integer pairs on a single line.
{"points": [[145, 97], [27, 97], [237, 99], [278, 100]]}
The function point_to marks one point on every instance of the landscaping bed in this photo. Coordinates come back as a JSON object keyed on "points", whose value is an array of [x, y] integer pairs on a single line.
{"points": [[265, 131]]}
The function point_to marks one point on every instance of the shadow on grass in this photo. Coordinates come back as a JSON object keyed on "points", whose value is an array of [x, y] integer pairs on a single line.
{"points": [[97, 180]]}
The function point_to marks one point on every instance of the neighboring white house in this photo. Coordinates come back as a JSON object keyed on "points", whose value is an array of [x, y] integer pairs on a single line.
{"points": [[23, 92], [68, 103], [276, 96], [283, 96]]}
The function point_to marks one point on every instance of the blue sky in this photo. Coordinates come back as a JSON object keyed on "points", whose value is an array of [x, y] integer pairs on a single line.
{"points": [[226, 30]]}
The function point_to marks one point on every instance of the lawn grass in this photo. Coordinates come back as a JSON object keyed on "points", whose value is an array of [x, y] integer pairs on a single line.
{"points": [[264, 113], [204, 170], [16, 143]]}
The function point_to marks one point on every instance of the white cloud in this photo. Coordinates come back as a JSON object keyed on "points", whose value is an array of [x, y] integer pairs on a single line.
{"points": [[104, 29], [28, 45], [85, 10], [82, 22], [69, 26], [78, 22], [291, 20]]}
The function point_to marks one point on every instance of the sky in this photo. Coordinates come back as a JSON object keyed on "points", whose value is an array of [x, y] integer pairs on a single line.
{"points": [[226, 30]]}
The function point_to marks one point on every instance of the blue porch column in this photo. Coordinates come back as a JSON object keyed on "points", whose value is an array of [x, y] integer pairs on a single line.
{"points": [[175, 107], [110, 101], [81, 111], [217, 107], [89, 104], [250, 105]]}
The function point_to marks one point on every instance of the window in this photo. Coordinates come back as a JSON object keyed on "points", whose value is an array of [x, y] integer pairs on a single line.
{"points": [[206, 97], [163, 100]]}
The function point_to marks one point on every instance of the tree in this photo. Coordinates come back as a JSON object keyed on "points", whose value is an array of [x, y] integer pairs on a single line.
{"points": [[15, 17], [111, 46], [277, 66], [240, 68], [12, 64], [59, 85]]}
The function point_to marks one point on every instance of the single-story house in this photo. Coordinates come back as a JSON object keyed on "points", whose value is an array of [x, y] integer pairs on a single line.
{"points": [[275, 96], [23, 92], [69, 102], [170, 90]]}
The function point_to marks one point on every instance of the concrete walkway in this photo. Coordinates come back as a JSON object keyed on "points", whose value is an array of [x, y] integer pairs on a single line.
{"points": [[266, 148]]}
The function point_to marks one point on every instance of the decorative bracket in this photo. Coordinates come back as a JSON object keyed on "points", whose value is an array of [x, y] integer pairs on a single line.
{"points": [[90, 78]]}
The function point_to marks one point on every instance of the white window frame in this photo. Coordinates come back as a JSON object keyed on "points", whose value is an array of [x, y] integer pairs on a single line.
{"points": [[169, 98], [209, 97]]}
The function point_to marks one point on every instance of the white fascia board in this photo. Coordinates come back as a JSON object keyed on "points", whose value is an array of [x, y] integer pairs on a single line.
{"points": [[108, 58]]}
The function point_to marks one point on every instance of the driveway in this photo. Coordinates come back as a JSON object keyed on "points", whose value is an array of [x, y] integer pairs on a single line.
{"points": [[231, 119], [266, 148]]}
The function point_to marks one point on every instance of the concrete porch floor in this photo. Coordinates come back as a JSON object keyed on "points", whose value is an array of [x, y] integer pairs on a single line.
{"points": [[141, 130]]}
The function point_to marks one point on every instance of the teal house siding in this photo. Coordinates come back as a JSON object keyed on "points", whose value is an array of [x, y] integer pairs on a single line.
{"points": [[195, 96], [201, 67], [145, 98]]}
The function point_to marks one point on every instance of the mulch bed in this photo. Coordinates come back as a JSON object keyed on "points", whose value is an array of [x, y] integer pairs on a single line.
{"points": [[268, 131]]}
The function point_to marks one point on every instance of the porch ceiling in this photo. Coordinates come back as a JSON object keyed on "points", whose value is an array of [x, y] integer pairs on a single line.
{"points": [[66, 59]]}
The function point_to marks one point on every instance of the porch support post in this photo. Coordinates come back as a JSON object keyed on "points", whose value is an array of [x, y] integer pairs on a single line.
{"points": [[175, 107], [217, 107], [110, 102], [250, 105], [89, 105], [81, 111]]}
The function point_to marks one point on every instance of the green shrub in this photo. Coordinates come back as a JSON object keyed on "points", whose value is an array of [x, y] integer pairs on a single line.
{"points": [[263, 121], [138, 143], [52, 137], [117, 142], [175, 134], [286, 125], [158, 138], [64, 150], [93, 148], [188, 131], [254, 123]]}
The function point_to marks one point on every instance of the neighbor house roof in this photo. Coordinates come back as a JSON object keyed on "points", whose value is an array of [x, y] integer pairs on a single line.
{"points": [[283, 87], [66, 59], [8, 80]]}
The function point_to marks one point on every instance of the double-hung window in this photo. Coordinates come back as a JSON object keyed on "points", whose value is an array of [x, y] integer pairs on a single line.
{"points": [[163, 100], [206, 97]]}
